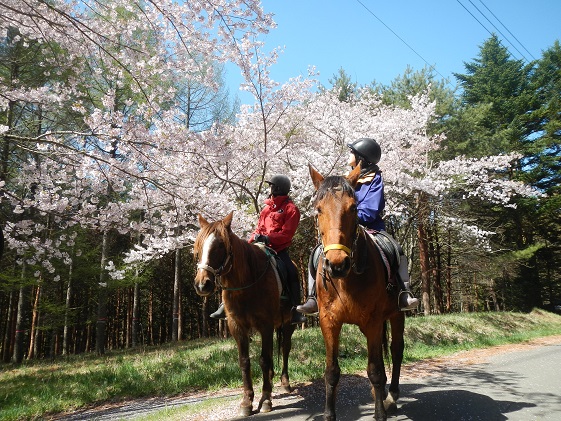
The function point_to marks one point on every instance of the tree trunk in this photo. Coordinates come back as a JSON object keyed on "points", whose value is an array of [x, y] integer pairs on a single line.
{"points": [[135, 312], [434, 248], [176, 290], [7, 344], [21, 319], [34, 335], [424, 251], [67, 307], [101, 325], [449, 273]]}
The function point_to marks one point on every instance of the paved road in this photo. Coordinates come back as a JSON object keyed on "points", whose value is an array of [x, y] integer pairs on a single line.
{"points": [[519, 385]]}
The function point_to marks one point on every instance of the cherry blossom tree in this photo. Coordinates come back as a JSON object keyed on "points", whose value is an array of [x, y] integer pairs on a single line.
{"points": [[112, 153]]}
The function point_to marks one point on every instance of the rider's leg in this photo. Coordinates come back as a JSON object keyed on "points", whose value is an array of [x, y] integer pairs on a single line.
{"points": [[406, 300], [311, 304], [294, 287]]}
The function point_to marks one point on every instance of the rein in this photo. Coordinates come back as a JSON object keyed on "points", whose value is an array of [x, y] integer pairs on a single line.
{"points": [[250, 285]]}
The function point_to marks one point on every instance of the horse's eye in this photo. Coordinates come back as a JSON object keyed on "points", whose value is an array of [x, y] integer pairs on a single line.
{"points": [[353, 208], [318, 210]]}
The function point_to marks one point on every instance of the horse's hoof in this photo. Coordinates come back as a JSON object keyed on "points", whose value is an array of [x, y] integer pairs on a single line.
{"points": [[245, 411], [267, 406], [390, 401], [286, 388]]}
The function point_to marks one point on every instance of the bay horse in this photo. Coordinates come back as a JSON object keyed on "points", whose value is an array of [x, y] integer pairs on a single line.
{"points": [[352, 288], [251, 295]]}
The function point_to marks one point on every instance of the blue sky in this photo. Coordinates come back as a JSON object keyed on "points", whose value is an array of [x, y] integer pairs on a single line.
{"points": [[332, 34]]}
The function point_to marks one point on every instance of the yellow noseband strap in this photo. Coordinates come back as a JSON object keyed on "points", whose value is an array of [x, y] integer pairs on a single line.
{"points": [[337, 247]]}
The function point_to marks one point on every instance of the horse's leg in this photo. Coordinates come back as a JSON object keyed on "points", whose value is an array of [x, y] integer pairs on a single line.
{"points": [[246, 407], [375, 370], [331, 334], [266, 363], [286, 340], [397, 346]]}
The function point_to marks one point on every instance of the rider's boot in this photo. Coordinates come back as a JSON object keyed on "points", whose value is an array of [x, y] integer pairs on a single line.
{"points": [[296, 318], [219, 313], [309, 307]]}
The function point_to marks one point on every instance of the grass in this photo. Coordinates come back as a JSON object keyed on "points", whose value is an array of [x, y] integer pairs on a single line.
{"points": [[39, 388]]}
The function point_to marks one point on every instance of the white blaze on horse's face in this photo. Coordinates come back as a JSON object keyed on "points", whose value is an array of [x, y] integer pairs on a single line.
{"points": [[204, 285], [207, 247]]}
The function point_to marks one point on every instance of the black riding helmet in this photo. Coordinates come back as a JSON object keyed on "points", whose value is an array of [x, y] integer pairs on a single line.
{"points": [[367, 149], [280, 185]]}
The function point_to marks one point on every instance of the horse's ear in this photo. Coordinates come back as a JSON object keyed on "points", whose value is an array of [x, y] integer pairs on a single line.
{"points": [[317, 178], [354, 175], [202, 221], [228, 220]]}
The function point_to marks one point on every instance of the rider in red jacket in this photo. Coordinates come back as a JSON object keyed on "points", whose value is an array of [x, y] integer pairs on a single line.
{"points": [[278, 222], [277, 225]]}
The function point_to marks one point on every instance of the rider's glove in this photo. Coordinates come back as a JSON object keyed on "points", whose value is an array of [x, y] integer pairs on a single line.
{"points": [[260, 238]]}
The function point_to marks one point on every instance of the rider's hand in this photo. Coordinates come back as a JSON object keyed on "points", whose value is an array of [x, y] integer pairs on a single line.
{"points": [[260, 238]]}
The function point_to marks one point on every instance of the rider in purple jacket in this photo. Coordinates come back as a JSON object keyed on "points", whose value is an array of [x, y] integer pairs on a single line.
{"points": [[369, 193]]}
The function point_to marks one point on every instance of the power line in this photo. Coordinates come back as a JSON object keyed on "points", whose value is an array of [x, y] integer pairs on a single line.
{"points": [[484, 27], [498, 20], [498, 30], [432, 66]]}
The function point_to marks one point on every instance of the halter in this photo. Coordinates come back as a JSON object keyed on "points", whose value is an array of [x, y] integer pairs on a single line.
{"points": [[218, 272], [336, 246]]}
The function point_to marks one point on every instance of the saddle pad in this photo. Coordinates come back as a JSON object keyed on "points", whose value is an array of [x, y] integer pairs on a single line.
{"points": [[278, 265]]}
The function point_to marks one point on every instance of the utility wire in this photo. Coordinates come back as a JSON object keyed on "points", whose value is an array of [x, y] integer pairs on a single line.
{"points": [[432, 66], [498, 30], [498, 20], [478, 21]]}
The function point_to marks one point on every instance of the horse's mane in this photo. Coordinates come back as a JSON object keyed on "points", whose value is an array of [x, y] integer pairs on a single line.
{"points": [[221, 231], [332, 184]]}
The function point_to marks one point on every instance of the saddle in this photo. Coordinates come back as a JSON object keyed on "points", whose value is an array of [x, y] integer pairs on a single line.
{"points": [[389, 249]]}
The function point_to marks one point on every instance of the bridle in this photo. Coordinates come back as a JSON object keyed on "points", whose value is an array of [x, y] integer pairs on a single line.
{"points": [[225, 269], [218, 273], [336, 246]]}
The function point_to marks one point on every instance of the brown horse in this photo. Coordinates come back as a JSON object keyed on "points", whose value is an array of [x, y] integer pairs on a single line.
{"points": [[252, 299], [352, 288]]}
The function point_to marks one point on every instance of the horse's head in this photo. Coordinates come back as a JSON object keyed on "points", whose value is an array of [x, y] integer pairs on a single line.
{"points": [[213, 253], [337, 221]]}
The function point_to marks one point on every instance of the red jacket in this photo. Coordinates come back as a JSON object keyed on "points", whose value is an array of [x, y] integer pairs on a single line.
{"points": [[278, 220]]}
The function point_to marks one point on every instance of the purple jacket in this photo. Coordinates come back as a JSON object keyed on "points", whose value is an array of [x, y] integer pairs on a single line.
{"points": [[370, 201]]}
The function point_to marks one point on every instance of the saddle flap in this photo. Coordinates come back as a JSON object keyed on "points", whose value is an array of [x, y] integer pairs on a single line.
{"points": [[389, 247]]}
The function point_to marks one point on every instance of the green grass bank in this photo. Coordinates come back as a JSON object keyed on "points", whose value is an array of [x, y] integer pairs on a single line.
{"points": [[39, 388]]}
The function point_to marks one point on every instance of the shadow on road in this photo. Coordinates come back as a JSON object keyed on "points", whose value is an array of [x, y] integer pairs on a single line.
{"points": [[448, 395]]}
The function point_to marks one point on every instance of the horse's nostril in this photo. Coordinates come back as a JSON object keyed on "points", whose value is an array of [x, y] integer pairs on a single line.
{"points": [[339, 270]]}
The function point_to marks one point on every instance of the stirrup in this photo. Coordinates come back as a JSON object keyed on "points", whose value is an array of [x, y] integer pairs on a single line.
{"points": [[406, 301]]}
